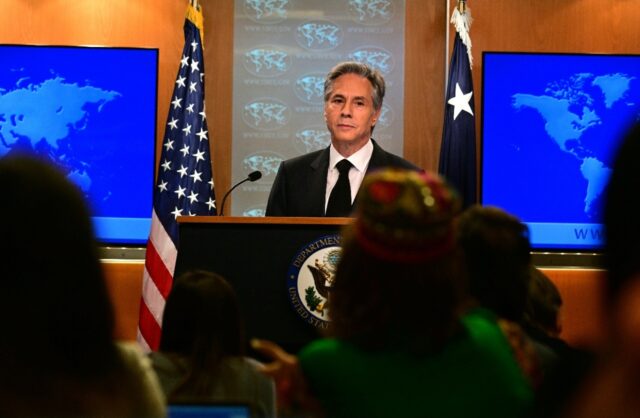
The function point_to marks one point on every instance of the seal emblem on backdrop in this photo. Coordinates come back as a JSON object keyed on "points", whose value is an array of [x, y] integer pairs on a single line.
{"points": [[266, 114], [312, 138], [371, 12], [310, 278], [266, 61], [266, 11], [265, 161], [375, 57], [319, 35], [310, 88]]}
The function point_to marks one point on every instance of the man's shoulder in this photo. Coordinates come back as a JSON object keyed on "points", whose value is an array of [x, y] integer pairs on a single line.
{"points": [[304, 160], [381, 158], [397, 161]]}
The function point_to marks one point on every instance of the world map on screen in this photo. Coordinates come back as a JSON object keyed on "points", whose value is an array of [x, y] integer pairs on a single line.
{"points": [[45, 118], [569, 109], [551, 127], [90, 111]]}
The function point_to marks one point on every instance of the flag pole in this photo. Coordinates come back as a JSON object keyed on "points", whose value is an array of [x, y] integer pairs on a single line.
{"points": [[446, 49]]}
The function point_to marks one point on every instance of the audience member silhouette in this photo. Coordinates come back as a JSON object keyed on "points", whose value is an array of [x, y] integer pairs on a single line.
{"points": [[542, 322], [497, 256], [57, 353], [544, 305], [397, 346], [202, 345]]}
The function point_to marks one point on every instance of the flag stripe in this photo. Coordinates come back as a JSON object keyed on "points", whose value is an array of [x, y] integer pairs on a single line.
{"points": [[162, 243], [158, 273], [147, 322], [143, 343], [152, 297]]}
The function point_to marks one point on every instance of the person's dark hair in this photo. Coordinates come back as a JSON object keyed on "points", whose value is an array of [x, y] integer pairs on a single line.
{"points": [[543, 305], [201, 322], [398, 282], [57, 353], [497, 256], [375, 303], [55, 313], [363, 70], [621, 219]]}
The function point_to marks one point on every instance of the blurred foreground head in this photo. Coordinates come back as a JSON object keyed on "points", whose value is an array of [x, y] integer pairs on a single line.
{"points": [[55, 313], [397, 282], [622, 216], [622, 243]]}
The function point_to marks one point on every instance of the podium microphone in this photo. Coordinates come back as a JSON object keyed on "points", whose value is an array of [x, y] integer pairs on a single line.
{"points": [[253, 176]]}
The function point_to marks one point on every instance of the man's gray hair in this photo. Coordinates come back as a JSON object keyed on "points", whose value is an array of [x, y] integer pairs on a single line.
{"points": [[363, 70]]}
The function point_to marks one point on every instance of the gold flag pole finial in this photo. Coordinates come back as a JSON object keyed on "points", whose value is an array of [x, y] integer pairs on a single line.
{"points": [[194, 14]]}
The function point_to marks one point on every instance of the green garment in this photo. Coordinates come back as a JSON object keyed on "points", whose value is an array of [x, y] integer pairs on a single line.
{"points": [[475, 375]]}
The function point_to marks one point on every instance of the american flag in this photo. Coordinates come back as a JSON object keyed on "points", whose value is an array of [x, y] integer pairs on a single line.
{"points": [[185, 183], [458, 148]]}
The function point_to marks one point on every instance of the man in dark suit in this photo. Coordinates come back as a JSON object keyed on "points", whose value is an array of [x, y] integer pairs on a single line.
{"points": [[308, 185]]}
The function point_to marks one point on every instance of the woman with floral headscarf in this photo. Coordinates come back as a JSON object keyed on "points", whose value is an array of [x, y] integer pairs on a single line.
{"points": [[397, 345]]}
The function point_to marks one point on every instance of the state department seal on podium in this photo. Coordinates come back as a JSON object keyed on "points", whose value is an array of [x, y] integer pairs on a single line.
{"points": [[310, 278]]}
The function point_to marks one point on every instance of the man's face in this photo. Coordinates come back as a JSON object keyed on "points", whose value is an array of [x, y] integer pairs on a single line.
{"points": [[349, 112]]}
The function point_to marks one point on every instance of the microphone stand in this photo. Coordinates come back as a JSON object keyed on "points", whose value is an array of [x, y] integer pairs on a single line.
{"points": [[253, 176]]}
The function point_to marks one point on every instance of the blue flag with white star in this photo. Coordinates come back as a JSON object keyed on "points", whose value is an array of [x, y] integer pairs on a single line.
{"points": [[458, 148]]}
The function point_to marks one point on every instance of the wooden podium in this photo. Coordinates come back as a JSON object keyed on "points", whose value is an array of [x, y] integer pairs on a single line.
{"points": [[255, 255]]}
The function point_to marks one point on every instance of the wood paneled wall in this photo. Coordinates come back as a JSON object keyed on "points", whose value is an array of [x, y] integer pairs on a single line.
{"points": [[425, 35], [583, 315], [499, 25], [124, 283], [125, 23], [583, 26], [218, 58], [588, 26]]}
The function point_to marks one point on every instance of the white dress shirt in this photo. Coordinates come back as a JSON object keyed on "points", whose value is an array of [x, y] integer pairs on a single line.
{"points": [[360, 162]]}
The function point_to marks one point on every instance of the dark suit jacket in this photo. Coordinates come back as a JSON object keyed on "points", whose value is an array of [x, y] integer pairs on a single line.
{"points": [[300, 185]]}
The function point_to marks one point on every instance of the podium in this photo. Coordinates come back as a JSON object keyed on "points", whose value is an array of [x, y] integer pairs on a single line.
{"points": [[256, 255]]}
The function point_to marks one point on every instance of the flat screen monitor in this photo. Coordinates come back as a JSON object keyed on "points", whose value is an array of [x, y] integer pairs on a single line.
{"points": [[551, 124], [92, 112], [208, 410]]}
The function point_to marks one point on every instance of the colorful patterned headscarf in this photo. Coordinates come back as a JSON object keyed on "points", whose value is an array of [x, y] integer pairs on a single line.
{"points": [[406, 216]]}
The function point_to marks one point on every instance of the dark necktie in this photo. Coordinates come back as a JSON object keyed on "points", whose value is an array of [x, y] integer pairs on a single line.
{"points": [[340, 198]]}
